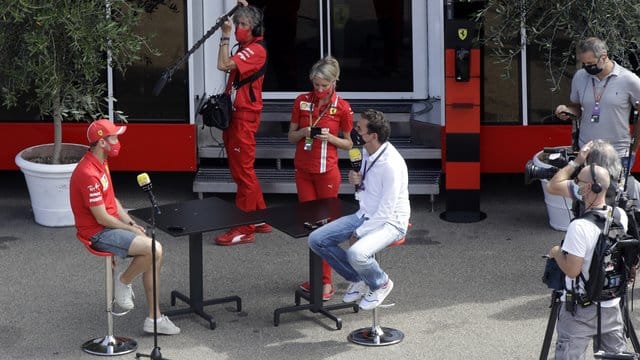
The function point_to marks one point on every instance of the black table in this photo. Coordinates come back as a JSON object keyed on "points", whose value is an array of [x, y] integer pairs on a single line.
{"points": [[193, 218], [290, 219]]}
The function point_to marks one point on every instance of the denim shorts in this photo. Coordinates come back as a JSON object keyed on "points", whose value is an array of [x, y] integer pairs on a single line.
{"points": [[115, 241]]}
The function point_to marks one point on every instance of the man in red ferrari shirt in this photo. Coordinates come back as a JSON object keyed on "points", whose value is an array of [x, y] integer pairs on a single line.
{"points": [[101, 219], [240, 137]]}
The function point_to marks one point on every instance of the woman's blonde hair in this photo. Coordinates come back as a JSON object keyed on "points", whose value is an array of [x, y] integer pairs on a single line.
{"points": [[327, 68]]}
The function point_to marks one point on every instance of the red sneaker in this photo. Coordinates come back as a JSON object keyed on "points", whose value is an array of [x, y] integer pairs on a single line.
{"points": [[262, 228], [235, 236], [327, 290], [305, 286]]}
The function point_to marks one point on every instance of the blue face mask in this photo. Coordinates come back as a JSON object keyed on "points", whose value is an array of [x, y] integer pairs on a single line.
{"points": [[575, 189]]}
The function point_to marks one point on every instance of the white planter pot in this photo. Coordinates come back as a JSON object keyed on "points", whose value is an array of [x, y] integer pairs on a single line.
{"points": [[49, 184], [558, 207]]}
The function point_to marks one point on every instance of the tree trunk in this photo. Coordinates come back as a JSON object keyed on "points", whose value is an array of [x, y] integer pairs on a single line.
{"points": [[57, 132]]}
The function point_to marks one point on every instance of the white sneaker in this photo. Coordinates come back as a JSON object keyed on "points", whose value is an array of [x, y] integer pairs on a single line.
{"points": [[123, 294], [355, 291], [375, 298], [165, 326]]}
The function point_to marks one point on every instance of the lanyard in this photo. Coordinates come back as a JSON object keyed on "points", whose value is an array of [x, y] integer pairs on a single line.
{"points": [[597, 97], [365, 171], [313, 123]]}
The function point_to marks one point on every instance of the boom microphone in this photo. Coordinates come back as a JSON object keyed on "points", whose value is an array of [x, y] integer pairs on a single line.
{"points": [[355, 157], [145, 183], [167, 74], [164, 79]]}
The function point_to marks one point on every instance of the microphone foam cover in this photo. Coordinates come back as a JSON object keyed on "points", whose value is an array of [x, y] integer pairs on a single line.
{"points": [[355, 154], [143, 179]]}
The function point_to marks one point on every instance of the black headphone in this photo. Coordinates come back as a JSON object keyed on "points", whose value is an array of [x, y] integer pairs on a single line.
{"points": [[595, 185], [258, 29]]}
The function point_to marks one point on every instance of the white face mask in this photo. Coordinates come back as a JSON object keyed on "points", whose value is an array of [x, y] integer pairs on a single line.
{"points": [[575, 189]]}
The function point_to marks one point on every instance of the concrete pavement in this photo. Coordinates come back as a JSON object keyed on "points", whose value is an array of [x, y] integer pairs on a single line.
{"points": [[463, 291]]}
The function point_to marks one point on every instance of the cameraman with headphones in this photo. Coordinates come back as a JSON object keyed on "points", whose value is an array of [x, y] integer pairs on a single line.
{"points": [[246, 74], [577, 319], [598, 152]]}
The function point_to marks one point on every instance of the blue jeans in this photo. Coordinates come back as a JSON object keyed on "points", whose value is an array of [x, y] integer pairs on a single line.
{"points": [[357, 262]]}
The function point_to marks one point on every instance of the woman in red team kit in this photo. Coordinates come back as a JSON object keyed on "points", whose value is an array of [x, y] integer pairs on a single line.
{"points": [[321, 122]]}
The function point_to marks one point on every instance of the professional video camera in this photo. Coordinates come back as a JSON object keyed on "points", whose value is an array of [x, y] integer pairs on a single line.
{"points": [[557, 157]]}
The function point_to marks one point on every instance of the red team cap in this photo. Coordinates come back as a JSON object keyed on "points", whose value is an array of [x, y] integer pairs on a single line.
{"points": [[101, 128]]}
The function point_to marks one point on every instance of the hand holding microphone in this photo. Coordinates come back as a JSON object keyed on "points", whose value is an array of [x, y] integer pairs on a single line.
{"points": [[145, 183]]}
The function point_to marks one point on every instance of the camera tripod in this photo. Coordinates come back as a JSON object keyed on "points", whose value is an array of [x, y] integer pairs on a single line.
{"points": [[629, 331]]}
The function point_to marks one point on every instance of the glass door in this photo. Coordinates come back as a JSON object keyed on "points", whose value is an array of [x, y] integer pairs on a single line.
{"points": [[380, 44]]}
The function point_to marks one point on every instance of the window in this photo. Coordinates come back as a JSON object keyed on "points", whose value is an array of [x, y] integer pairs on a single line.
{"points": [[134, 90], [372, 40]]}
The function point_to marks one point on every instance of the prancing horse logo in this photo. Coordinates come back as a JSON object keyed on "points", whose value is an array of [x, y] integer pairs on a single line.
{"points": [[462, 33]]}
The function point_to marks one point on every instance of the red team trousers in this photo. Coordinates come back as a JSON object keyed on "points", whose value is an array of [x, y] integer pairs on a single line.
{"points": [[319, 186], [240, 143]]}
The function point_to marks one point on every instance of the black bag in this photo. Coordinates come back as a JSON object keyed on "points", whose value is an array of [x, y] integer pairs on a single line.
{"points": [[553, 277], [216, 111]]}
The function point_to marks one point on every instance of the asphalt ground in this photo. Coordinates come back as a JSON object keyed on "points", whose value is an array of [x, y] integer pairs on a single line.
{"points": [[462, 291]]}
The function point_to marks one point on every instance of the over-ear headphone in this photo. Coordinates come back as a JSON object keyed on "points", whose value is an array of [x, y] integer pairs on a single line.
{"points": [[595, 185], [258, 29]]}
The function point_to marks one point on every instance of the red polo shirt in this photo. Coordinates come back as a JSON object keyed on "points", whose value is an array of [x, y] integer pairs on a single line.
{"points": [[91, 186], [337, 116], [248, 60]]}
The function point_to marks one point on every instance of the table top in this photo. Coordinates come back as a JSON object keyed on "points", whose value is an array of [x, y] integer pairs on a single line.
{"points": [[198, 216], [291, 218]]}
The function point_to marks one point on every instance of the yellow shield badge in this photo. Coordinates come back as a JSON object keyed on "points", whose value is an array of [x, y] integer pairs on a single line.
{"points": [[462, 33]]}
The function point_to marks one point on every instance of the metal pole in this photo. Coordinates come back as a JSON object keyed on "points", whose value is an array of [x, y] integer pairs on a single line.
{"points": [[109, 68]]}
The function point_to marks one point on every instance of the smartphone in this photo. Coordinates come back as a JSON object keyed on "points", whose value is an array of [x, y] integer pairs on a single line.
{"points": [[315, 131]]}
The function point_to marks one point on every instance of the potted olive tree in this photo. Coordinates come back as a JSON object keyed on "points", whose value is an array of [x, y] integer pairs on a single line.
{"points": [[556, 27], [53, 58]]}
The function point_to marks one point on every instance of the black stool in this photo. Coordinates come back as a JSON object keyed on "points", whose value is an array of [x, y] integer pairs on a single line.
{"points": [[108, 345], [377, 335]]}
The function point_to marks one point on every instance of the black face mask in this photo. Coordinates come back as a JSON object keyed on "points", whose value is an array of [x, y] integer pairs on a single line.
{"points": [[356, 139], [592, 69]]}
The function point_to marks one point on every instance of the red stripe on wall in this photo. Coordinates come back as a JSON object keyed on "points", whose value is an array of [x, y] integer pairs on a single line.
{"points": [[467, 92], [463, 175], [462, 120], [145, 147]]}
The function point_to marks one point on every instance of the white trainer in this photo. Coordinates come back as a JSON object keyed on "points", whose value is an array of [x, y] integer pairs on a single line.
{"points": [[375, 298], [165, 326], [123, 294], [355, 291]]}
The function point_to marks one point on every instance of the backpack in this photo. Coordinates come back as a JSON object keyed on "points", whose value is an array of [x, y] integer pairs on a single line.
{"points": [[607, 273]]}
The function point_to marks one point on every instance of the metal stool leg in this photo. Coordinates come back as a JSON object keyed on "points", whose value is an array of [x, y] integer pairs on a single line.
{"points": [[109, 345], [376, 335]]}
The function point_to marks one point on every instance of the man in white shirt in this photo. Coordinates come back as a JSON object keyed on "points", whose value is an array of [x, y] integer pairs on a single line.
{"points": [[383, 217], [577, 323]]}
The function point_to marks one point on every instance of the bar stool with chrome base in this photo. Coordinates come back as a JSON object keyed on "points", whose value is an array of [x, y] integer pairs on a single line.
{"points": [[377, 335], [108, 345]]}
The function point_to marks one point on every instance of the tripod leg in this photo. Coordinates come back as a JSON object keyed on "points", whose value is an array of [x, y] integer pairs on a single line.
{"points": [[629, 330], [551, 325]]}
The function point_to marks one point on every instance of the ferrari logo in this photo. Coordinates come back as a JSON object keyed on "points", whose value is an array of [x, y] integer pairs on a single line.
{"points": [[462, 33]]}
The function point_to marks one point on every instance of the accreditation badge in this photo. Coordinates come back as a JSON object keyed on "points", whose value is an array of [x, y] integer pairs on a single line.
{"points": [[306, 106]]}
